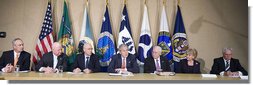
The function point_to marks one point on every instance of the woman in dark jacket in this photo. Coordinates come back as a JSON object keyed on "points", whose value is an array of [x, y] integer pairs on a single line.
{"points": [[189, 65]]}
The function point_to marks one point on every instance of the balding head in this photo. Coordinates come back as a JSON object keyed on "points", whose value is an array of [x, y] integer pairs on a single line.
{"points": [[57, 48]]}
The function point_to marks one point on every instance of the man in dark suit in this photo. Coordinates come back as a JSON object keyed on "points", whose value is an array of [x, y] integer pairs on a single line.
{"points": [[51, 61], [156, 63], [86, 62], [17, 56], [227, 65], [123, 62]]}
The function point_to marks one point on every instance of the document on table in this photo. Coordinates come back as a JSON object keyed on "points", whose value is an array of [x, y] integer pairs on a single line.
{"points": [[209, 75]]}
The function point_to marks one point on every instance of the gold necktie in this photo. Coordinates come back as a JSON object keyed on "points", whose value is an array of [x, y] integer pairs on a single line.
{"points": [[16, 60]]}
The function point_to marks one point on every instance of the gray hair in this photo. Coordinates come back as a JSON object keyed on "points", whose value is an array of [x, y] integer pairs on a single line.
{"points": [[85, 44], [123, 45], [13, 41], [226, 49], [159, 48]]}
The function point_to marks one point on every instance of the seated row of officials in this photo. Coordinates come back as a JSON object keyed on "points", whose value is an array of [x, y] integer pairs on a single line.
{"points": [[88, 62]]}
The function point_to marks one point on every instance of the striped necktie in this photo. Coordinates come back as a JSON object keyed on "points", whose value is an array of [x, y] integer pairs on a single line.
{"points": [[227, 67]]}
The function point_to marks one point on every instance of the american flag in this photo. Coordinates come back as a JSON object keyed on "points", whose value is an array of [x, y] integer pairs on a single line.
{"points": [[45, 40]]}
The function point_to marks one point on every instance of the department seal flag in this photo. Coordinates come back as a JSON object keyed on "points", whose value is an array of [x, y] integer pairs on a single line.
{"points": [[65, 37], [179, 39], [164, 40], [125, 35], [145, 42], [105, 46]]}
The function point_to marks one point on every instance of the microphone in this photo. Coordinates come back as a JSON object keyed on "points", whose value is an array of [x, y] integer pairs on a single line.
{"points": [[2, 34]]}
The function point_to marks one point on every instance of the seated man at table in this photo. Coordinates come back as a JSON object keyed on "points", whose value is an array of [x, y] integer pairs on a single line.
{"points": [[123, 62], [227, 65], [156, 63], [86, 62], [51, 61], [10, 59]]}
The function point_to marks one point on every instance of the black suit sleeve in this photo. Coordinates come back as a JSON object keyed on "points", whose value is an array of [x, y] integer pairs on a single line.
{"points": [[215, 67], [40, 63], [147, 66], [111, 67], [75, 64], [134, 66], [26, 62], [240, 68], [2, 62], [96, 64]]}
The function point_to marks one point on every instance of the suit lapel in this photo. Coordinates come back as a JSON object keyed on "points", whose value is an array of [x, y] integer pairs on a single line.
{"points": [[119, 61], [51, 60], [11, 57], [161, 63], [222, 64]]}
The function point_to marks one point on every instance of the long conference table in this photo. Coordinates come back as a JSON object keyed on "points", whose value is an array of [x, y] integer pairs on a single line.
{"points": [[105, 76]]}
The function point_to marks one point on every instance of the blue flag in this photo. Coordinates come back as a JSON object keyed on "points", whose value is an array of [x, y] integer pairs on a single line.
{"points": [[105, 47], [145, 42], [125, 35], [180, 43], [164, 36]]}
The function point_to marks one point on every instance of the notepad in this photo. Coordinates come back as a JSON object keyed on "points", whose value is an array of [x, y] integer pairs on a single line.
{"points": [[244, 77], [209, 75], [115, 74], [74, 73]]}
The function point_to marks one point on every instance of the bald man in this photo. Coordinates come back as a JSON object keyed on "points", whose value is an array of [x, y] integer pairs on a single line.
{"points": [[15, 57], [86, 62], [156, 62], [50, 62]]}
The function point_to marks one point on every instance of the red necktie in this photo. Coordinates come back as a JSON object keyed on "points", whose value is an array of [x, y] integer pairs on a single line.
{"points": [[123, 63]]}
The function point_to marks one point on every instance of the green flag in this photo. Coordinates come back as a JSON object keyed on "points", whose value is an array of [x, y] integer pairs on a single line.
{"points": [[65, 36]]}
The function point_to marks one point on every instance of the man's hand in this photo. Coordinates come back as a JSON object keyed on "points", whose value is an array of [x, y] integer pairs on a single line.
{"points": [[87, 70], [48, 70], [77, 70], [9, 68], [119, 70], [229, 73]]}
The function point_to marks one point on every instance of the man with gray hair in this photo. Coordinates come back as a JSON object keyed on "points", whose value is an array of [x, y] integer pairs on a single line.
{"points": [[15, 58], [156, 63], [227, 66]]}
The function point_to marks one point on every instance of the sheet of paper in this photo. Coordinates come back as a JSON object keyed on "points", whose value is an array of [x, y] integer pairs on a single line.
{"points": [[244, 77], [209, 75]]}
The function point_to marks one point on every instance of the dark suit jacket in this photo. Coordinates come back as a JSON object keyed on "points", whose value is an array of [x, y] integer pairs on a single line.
{"points": [[149, 64], [116, 62], [219, 66], [93, 65], [184, 68], [23, 60], [47, 61]]}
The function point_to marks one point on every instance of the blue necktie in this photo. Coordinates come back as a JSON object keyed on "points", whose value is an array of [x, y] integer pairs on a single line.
{"points": [[87, 62]]}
